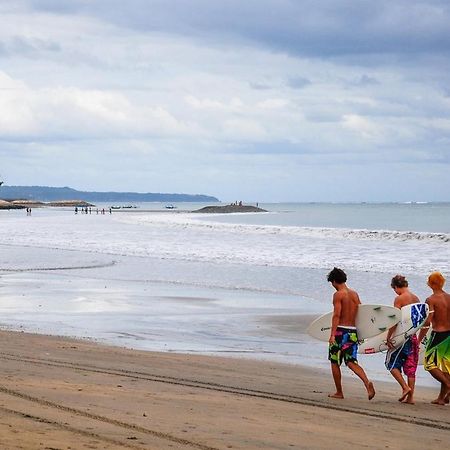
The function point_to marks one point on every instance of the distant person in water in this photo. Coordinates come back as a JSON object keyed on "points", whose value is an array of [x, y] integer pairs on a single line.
{"points": [[406, 356], [437, 353], [343, 342]]}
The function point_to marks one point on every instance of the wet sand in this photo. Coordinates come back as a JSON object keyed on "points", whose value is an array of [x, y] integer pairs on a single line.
{"points": [[58, 393]]}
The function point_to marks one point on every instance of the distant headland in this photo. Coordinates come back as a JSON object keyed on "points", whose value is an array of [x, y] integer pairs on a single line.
{"points": [[22, 204], [36, 194]]}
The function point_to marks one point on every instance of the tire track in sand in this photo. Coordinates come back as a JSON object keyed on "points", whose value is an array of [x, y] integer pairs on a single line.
{"points": [[236, 390]]}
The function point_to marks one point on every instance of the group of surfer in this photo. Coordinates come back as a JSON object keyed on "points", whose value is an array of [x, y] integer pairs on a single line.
{"points": [[343, 342]]}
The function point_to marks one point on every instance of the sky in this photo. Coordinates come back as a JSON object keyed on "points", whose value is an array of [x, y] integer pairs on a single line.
{"points": [[255, 100]]}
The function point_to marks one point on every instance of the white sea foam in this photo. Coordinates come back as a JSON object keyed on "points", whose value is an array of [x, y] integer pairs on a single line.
{"points": [[186, 237], [189, 220]]}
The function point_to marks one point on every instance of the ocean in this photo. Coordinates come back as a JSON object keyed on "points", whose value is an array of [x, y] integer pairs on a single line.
{"points": [[238, 284]]}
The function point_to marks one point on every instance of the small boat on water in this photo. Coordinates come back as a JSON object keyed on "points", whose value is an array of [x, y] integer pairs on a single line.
{"points": [[171, 207]]}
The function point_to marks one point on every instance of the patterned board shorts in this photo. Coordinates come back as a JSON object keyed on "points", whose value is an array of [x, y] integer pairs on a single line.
{"points": [[437, 353], [405, 357], [345, 347]]}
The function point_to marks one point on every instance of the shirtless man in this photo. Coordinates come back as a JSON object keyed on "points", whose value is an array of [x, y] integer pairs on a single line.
{"points": [[437, 353], [406, 356], [343, 342]]}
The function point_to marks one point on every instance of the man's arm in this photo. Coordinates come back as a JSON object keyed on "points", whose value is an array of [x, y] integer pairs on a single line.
{"points": [[426, 325], [337, 306], [397, 304]]}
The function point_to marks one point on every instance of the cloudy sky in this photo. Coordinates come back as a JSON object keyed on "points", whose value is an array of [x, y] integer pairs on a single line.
{"points": [[259, 100]]}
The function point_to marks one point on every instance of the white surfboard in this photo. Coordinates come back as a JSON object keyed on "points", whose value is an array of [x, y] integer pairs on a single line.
{"points": [[412, 318], [423, 347], [371, 320]]}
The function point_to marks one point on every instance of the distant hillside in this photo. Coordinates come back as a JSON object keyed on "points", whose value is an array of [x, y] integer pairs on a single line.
{"points": [[49, 194]]}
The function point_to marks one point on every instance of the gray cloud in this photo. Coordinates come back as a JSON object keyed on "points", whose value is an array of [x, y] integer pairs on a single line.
{"points": [[298, 82], [260, 86], [366, 80], [301, 27], [27, 47]]}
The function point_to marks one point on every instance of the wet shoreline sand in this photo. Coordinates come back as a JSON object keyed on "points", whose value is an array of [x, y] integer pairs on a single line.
{"points": [[64, 393]]}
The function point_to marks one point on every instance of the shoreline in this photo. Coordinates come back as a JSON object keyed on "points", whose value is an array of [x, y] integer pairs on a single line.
{"points": [[61, 392]]}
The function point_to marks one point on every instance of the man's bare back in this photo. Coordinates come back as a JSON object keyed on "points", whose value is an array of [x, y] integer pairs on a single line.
{"points": [[406, 298], [349, 301], [439, 303]]}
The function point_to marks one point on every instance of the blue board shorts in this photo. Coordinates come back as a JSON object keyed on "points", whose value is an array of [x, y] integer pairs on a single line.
{"points": [[345, 347], [405, 357]]}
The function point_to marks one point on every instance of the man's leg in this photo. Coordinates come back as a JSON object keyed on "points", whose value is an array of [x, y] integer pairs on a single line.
{"points": [[399, 378], [411, 384], [359, 371], [337, 377], [443, 378], [447, 396]]}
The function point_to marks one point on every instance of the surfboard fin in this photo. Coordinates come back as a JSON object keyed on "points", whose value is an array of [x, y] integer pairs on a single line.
{"points": [[382, 328], [393, 316], [377, 308]]}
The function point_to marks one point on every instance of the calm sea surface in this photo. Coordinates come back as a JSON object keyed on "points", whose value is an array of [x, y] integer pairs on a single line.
{"points": [[431, 217]]}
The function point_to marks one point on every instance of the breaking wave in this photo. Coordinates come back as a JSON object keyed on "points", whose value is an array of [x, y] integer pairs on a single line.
{"points": [[316, 232]]}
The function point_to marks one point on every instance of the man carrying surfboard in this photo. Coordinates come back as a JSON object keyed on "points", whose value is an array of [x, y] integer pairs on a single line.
{"points": [[406, 356], [343, 342], [437, 353]]}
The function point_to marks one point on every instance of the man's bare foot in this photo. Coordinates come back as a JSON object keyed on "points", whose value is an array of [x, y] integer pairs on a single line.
{"points": [[370, 391], [405, 394], [438, 401], [336, 395]]}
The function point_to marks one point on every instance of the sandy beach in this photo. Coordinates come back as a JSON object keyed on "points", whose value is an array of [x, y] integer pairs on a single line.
{"points": [[58, 393]]}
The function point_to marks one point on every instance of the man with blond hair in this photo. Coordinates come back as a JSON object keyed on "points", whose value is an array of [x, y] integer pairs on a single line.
{"points": [[437, 353]]}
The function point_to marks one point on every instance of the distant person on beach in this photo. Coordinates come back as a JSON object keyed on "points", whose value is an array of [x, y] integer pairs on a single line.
{"points": [[405, 357], [437, 353], [343, 342]]}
